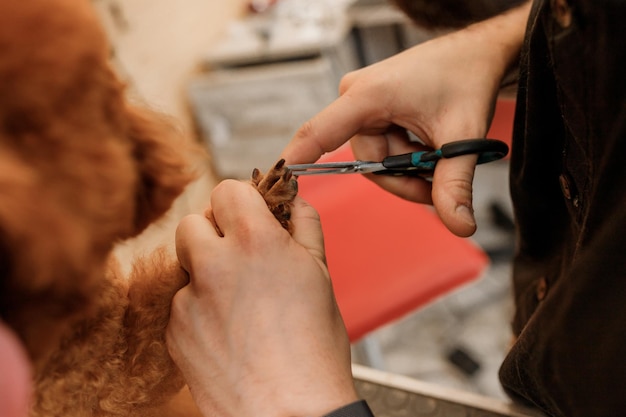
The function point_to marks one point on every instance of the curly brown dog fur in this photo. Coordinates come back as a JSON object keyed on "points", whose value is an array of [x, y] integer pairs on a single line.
{"points": [[81, 170]]}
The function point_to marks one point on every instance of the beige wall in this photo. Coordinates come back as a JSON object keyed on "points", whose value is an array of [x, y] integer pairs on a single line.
{"points": [[158, 44]]}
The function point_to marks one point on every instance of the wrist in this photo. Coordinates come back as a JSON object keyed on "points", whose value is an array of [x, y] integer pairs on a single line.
{"points": [[310, 401], [334, 407]]}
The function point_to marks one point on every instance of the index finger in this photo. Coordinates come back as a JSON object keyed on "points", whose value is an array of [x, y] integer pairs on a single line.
{"points": [[328, 130]]}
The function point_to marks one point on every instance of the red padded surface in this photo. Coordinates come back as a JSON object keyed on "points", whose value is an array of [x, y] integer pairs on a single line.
{"points": [[387, 257]]}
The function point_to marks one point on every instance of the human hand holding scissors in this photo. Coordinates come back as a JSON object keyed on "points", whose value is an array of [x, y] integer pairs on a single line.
{"points": [[441, 90]]}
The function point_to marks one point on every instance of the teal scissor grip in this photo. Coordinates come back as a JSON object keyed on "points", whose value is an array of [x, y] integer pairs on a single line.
{"points": [[425, 159]]}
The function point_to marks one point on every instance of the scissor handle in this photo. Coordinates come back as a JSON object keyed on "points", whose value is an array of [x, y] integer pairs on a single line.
{"points": [[420, 163], [488, 150]]}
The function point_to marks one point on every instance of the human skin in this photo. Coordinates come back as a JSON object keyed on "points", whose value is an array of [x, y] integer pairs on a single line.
{"points": [[441, 90], [257, 331], [15, 383]]}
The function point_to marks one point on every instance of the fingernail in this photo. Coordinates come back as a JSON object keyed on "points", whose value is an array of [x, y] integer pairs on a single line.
{"points": [[464, 212]]}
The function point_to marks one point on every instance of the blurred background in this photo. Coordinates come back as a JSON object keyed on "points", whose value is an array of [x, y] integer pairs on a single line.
{"points": [[241, 76]]}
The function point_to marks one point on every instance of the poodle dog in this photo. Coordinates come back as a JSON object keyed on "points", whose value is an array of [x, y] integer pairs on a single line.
{"points": [[82, 169]]}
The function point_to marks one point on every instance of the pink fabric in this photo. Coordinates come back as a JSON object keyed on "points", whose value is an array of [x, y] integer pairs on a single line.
{"points": [[14, 376]]}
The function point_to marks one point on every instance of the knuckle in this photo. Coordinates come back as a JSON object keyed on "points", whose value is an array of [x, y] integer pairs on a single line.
{"points": [[346, 81], [188, 223], [306, 130], [225, 187], [460, 186], [308, 133]]}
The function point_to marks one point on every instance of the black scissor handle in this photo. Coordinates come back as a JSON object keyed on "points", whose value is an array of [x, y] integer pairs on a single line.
{"points": [[488, 150], [422, 163]]}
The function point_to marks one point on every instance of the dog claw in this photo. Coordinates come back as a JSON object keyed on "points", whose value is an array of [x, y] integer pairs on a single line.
{"points": [[256, 176], [278, 187], [279, 165]]}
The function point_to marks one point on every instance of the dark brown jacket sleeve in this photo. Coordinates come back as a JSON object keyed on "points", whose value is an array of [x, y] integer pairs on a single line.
{"points": [[568, 184]]}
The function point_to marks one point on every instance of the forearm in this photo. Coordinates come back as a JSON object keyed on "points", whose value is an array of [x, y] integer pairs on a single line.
{"points": [[499, 38]]}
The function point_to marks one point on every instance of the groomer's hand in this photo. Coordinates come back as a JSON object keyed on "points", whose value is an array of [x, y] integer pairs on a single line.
{"points": [[257, 331], [442, 90]]}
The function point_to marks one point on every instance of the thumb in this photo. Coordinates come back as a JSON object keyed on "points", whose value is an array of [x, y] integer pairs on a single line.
{"points": [[452, 193], [307, 228]]}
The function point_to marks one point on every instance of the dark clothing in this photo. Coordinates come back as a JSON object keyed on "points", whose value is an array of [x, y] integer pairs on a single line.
{"points": [[568, 184], [447, 14], [355, 409]]}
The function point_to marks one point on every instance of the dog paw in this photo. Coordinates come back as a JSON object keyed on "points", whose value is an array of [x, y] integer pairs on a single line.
{"points": [[278, 187]]}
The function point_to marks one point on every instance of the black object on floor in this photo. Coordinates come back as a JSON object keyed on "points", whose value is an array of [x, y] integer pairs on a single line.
{"points": [[501, 218], [460, 358]]}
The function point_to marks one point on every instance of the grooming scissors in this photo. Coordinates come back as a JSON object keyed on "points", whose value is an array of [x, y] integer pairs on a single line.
{"points": [[421, 163]]}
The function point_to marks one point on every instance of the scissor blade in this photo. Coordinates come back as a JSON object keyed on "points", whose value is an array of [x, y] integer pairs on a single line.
{"points": [[352, 167]]}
